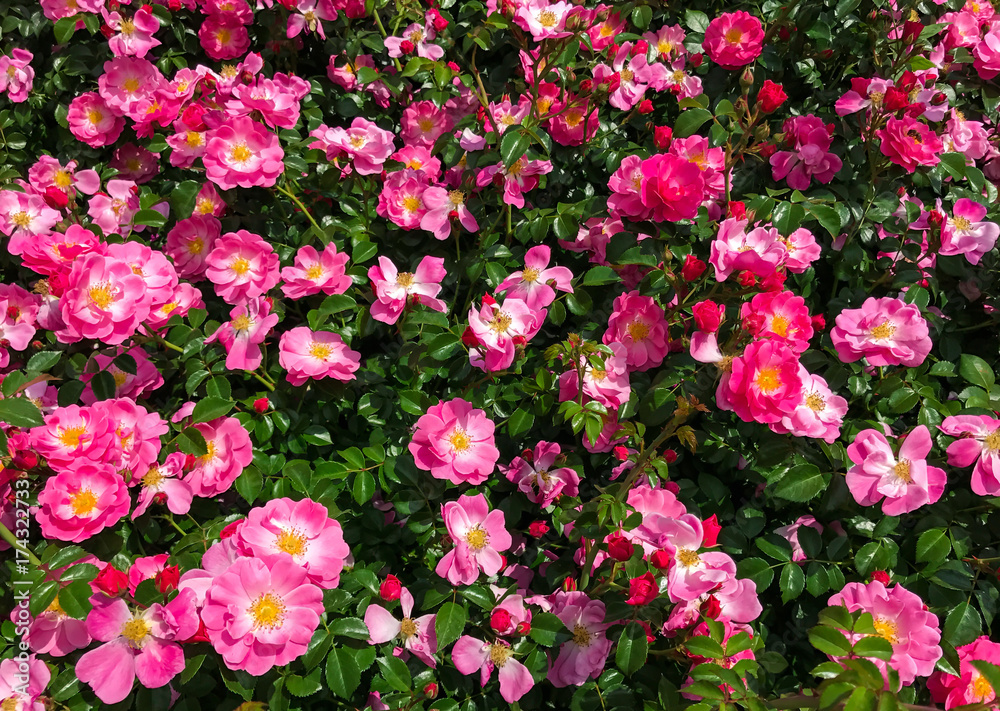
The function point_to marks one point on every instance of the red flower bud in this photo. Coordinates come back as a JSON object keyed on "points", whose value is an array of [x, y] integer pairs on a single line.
{"points": [[642, 590], [469, 337], [669, 456], [771, 96], [881, 576], [537, 529], [711, 527], [406, 47], [586, 86], [911, 31], [200, 636], [569, 584], [454, 67], [260, 405], [693, 268], [662, 136], [711, 608], [431, 690], [773, 282], [619, 548], [523, 628], [661, 559], [111, 581], [56, 197], [231, 529], [390, 589], [895, 99], [646, 106], [818, 322], [672, 487], [767, 150], [500, 621], [695, 60], [640, 47], [167, 579]]}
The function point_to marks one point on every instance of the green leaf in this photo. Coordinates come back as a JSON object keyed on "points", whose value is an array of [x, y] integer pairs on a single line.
{"points": [[75, 599], [64, 556], [871, 556], [599, 275], [449, 623], [696, 21], [41, 362], [249, 484], [350, 627], [545, 628], [705, 647], [976, 370], [64, 29], [183, 197], [829, 641], [103, 385], [149, 217], [827, 217], [933, 546], [862, 699], [342, 672], [335, 304], [191, 441], [641, 17], [210, 408], [792, 581], [690, 121], [520, 421], [20, 412], [756, 569], [513, 145], [633, 648], [873, 647], [364, 487], [962, 625], [394, 671], [801, 483]]}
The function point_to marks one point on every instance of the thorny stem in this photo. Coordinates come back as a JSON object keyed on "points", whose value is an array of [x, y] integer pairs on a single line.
{"points": [[7, 535]]}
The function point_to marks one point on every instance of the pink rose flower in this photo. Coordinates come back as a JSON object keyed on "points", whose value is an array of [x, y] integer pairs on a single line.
{"points": [[820, 413], [538, 479], [92, 121], [365, 144], [499, 330], [162, 483], [442, 207], [780, 316], [24, 216], [638, 323], [229, 452], [223, 37], [81, 501], [135, 34], [17, 75], [734, 39], [537, 282], [314, 355], [242, 152], [970, 687], [518, 179], [672, 188], [584, 656], [760, 251], [417, 634], [608, 386], [395, 290], [886, 331], [471, 655], [249, 324], [791, 534], [764, 383], [691, 574], [189, 243], [401, 199], [809, 158], [978, 441], [455, 442], [909, 143], [313, 273], [479, 537], [300, 529], [143, 644], [105, 300], [25, 687], [905, 481], [243, 266], [261, 615], [965, 232], [902, 619]]}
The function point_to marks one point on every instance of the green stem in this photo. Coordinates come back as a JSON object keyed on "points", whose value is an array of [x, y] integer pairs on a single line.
{"points": [[302, 207], [7, 535], [266, 384]]}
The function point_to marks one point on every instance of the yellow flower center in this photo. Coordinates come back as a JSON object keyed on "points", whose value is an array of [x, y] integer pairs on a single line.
{"points": [[100, 295], [204, 207], [598, 374], [71, 436], [501, 322], [768, 379], [417, 36], [734, 36], [638, 330], [607, 30], [62, 179], [240, 265], [240, 153], [128, 27], [358, 141], [547, 18], [292, 542], [426, 125], [981, 688], [135, 630], [460, 440], [499, 654], [902, 471], [228, 71], [314, 272], [688, 557], [167, 308], [131, 85], [194, 139], [55, 608], [664, 47], [209, 453], [992, 441], [627, 74], [887, 630], [456, 197], [507, 120], [196, 245], [241, 323], [573, 118], [223, 36], [779, 326], [120, 377], [882, 331], [404, 279], [95, 116], [412, 203], [83, 502], [320, 351], [581, 636], [476, 538], [815, 402], [153, 477], [268, 610], [21, 219], [961, 223], [530, 274], [408, 628]]}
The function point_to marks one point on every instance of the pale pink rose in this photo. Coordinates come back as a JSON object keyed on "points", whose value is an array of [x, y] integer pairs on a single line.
{"points": [[162, 483], [242, 265], [978, 442], [23, 680], [810, 157], [223, 37], [970, 687], [764, 383], [802, 250], [81, 501], [478, 535], [734, 39], [229, 452], [537, 282], [135, 34], [542, 19], [208, 202], [189, 243], [970, 138], [137, 437], [423, 123], [396, 290], [104, 300], [184, 298], [248, 325], [455, 442], [309, 15], [346, 76], [420, 159], [442, 207], [47, 172], [538, 478], [967, 233], [313, 273], [760, 251], [909, 143], [518, 179], [17, 75], [417, 634], [72, 434], [638, 323], [113, 210], [584, 656], [471, 655], [667, 42], [791, 534], [885, 331], [691, 574], [635, 75], [55, 10], [24, 216], [905, 481], [261, 615], [151, 266], [188, 145], [364, 143], [819, 414], [300, 529], [500, 329], [314, 355], [608, 386], [900, 618], [54, 632], [572, 122], [241, 152], [626, 188], [401, 199], [127, 82]]}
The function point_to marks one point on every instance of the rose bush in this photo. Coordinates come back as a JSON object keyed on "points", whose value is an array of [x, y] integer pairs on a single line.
{"points": [[354, 351]]}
